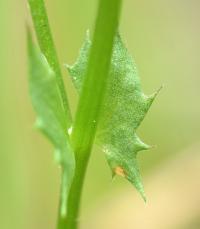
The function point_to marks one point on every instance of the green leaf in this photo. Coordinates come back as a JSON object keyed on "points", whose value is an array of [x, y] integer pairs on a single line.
{"points": [[51, 117], [47, 47], [125, 106]]}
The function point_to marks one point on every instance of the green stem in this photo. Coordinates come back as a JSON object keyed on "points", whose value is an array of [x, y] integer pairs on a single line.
{"points": [[47, 47], [91, 98]]}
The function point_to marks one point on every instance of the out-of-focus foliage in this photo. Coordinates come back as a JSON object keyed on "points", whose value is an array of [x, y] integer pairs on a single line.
{"points": [[51, 117]]}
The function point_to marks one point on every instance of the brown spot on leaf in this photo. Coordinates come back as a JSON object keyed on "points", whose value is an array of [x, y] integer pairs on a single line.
{"points": [[119, 171]]}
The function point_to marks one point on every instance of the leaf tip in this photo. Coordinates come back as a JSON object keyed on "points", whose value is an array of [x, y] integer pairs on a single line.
{"points": [[144, 197], [153, 96], [140, 188]]}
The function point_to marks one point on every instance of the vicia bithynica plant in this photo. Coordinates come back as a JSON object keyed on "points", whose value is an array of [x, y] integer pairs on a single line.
{"points": [[111, 104]]}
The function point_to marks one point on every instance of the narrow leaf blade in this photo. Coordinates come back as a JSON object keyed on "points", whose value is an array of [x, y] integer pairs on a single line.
{"points": [[51, 117]]}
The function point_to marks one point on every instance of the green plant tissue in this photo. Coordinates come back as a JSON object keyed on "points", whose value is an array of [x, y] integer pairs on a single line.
{"points": [[51, 118], [123, 109]]}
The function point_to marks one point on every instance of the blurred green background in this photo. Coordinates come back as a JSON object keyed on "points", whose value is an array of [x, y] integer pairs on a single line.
{"points": [[163, 37]]}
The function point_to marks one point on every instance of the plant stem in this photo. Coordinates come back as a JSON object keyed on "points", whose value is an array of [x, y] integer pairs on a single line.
{"points": [[47, 47], [89, 106]]}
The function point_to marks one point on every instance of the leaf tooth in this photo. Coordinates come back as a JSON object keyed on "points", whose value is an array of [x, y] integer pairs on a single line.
{"points": [[68, 66], [150, 98], [139, 145], [70, 69], [143, 146]]}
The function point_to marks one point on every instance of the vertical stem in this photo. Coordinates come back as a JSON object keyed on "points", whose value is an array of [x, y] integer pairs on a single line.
{"points": [[47, 47], [91, 98]]}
